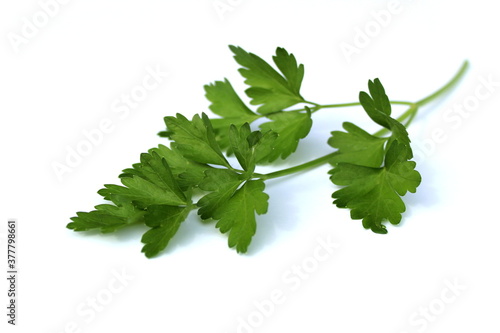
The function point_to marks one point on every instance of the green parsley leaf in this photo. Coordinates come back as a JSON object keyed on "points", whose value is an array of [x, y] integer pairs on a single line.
{"points": [[374, 194], [187, 173], [152, 183], [251, 148], [378, 108], [164, 221], [290, 126], [268, 88], [107, 218], [222, 183], [357, 146], [195, 139], [263, 145], [155, 169], [373, 191], [226, 103], [241, 146], [237, 216], [377, 102], [234, 199], [287, 64], [221, 128]]}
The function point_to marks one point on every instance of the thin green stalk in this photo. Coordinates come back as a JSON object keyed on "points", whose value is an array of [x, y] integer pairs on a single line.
{"points": [[339, 105], [301, 167], [318, 107], [447, 87]]}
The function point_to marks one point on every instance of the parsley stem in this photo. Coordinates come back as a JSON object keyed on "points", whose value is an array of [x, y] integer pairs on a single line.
{"points": [[318, 107], [312, 103], [447, 87], [301, 167], [340, 105]]}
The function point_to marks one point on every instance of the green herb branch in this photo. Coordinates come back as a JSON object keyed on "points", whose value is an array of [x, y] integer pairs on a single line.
{"points": [[371, 172]]}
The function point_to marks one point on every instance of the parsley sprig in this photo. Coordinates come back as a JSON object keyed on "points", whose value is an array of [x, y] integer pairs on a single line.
{"points": [[371, 172]]}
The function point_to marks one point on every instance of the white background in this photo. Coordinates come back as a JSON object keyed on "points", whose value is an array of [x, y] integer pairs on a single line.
{"points": [[436, 272]]}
